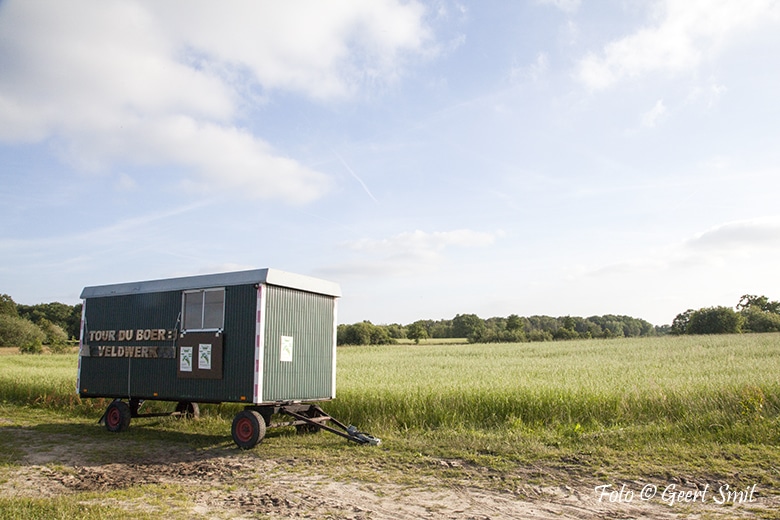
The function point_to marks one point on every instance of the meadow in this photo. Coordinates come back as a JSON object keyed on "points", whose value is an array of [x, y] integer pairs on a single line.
{"points": [[699, 383], [623, 408]]}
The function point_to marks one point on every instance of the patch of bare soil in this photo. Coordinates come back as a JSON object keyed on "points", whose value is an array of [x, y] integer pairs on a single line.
{"points": [[229, 483]]}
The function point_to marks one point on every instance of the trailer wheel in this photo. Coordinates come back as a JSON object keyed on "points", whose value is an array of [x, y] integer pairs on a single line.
{"points": [[248, 429], [117, 416], [188, 410]]}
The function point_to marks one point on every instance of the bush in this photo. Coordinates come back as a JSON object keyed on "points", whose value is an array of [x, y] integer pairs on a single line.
{"points": [[760, 321], [714, 320], [8, 305], [363, 333], [21, 333], [56, 337]]}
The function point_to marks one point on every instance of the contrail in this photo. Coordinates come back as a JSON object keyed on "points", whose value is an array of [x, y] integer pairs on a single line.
{"points": [[355, 175]]}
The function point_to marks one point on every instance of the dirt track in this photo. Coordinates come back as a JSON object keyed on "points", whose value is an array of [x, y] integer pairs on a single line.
{"points": [[225, 482]]}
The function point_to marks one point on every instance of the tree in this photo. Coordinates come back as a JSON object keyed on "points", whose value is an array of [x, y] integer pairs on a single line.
{"points": [[363, 333], [680, 323], [514, 323], [355, 334], [66, 316], [21, 333], [749, 301], [380, 335], [714, 320], [416, 331], [756, 320], [468, 326], [56, 337], [8, 305]]}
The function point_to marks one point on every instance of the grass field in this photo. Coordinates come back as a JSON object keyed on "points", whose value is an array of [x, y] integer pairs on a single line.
{"points": [[702, 406], [700, 383]]}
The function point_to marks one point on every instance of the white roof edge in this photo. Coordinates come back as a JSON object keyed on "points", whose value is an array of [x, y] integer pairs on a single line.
{"points": [[259, 276], [302, 282]]}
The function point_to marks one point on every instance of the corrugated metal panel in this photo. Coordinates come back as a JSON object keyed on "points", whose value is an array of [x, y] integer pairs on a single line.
{"points": [[299, 348], [121, 377], [238, 363], [157, 378], [278, 342]]}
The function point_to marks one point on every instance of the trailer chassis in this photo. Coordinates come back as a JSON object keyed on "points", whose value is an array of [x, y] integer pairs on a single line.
{"points": [[249, 425]]}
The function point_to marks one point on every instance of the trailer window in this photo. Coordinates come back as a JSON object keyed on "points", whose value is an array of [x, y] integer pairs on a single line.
{"points": [[204, 310]]}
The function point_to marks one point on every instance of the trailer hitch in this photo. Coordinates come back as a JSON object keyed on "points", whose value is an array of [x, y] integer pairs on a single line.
{"points": [[317, 417]]}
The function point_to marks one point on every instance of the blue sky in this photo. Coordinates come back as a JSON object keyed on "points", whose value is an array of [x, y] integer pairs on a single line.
{"points": [[434, 158]]}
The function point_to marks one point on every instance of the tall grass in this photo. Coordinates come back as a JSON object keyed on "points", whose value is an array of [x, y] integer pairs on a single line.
{"points": [[46, 380], [700, 383]]}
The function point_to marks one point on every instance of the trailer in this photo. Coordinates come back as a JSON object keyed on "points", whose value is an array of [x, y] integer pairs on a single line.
{"points": [[265, 338]]}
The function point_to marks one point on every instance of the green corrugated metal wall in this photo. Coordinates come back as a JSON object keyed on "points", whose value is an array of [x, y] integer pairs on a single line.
{"points": [[156, 378], [309, 319], [306, 317]]}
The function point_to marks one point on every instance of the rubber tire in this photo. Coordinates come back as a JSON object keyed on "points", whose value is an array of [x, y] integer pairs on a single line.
{"points": [[248, 429], [117, 416], [188, 410]]}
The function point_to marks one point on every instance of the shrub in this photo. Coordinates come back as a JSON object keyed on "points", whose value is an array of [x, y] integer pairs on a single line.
{"points": [[714, 320], [56, 337], [21, 333], [760, 321]]}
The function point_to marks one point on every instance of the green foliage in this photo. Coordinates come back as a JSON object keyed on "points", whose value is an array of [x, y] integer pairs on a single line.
{"points": [[363, 333], [396, 331], [514, 323], [68, 317], [21, 333], [512, 329], [56, 337], [714, 320], [756, 320], [680, 323], [8, 306], [468, 326], [417, 331], [761, 303], [753, 314]]}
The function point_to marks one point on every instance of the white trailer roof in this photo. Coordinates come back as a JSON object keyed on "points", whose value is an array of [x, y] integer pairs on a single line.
{"points": [[257, 276]]}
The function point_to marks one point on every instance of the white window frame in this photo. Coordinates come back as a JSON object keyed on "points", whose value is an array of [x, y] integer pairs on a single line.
{"points": [[202, 292]]}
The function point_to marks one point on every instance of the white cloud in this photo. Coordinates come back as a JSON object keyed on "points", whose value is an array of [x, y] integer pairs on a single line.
{"points": [[420, 241], [684, 34], [533, 72], [741, 236], [567, 6], [720, 246], [652, 116], [161, 83], [126, 183], [407, 253], [322, 49], [708, 95]]}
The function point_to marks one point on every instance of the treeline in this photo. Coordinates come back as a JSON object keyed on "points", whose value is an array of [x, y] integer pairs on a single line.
{"points": [[29, 327], [55, 324], [511, 329], [752, 314]]}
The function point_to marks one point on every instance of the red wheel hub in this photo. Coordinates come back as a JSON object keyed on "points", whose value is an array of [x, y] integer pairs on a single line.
{"points": [[244, 430], [113, 418]]}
